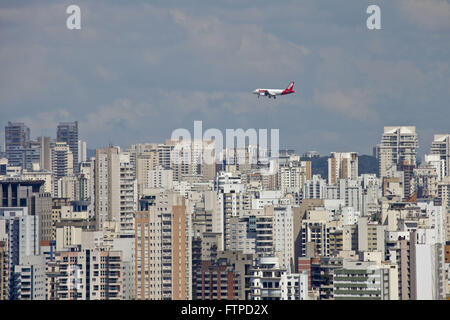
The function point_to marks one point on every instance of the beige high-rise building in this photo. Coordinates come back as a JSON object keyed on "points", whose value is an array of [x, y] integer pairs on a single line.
{"points": [[46, 155], [116, 190], [342, 165], [398, 146], [401, 250], [147, 159], [107, 186], [163, 248], [294, 174]]}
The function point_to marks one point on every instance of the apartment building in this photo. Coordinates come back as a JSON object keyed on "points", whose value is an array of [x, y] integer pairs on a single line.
{"points": [[441, 147], [21, 231], [30, 279], [107, 186], [163, 248], [271, 282], [68, 132], [62, 163], [398, 146], [85, 274], [361, 280]]}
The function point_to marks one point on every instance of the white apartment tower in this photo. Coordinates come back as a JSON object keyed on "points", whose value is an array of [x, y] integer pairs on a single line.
{"points": [[283, 235], [82, 151], [128, 195], [62, 163], [398, 146], [441, 146]]}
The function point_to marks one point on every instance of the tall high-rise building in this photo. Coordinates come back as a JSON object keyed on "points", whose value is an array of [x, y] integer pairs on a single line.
{"points": [[128, 195], [21, 231], [147, 159], [32, 156], [283, 235], [87, 181], [342, 165], [163, 249], [68, 132], [441, 146], [17, 139], [107, 186], [115, 189], [46, 153], [398, 146], [82, 151], [62, 163]]}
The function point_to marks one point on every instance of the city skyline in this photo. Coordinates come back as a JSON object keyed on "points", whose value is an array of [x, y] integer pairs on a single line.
{"points": [[139, 162], [159, 221], [421, 151], [128, 73]]}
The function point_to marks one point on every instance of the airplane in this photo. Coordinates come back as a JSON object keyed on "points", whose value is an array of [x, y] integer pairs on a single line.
{"points": [[273, 93]]}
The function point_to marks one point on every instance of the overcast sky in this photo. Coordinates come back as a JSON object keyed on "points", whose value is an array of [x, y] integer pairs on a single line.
{"points": [[137, 70]]}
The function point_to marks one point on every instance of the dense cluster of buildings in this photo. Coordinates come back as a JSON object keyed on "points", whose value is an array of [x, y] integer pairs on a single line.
{"points": [[157, 222]]}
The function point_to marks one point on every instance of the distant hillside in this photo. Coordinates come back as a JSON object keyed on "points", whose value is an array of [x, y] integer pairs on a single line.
{"points": [[366, 164], [319, 166]]}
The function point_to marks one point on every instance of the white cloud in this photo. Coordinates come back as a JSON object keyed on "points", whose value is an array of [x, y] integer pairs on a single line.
{"points": [[244, 47], [355, 103], [105, 73], [429, 14], [44, 123]]}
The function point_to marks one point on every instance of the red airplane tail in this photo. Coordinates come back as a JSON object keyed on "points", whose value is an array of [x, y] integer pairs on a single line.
{"points": [[291, 86], [289, 89]]}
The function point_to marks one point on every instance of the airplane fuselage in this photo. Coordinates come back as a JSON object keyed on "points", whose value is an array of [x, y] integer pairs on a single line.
{"points": [[274, 92]]}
